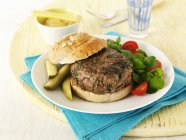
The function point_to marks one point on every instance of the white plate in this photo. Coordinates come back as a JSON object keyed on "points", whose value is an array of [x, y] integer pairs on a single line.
{"points": [[39, 78]]}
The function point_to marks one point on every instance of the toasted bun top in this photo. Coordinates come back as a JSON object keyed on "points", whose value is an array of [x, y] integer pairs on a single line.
{"points": [[75, 47]]}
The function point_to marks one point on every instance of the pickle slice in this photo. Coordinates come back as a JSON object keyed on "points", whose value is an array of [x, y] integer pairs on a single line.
{"points": [[57, 80], [66, 88], [50, 68], [69, 16]]}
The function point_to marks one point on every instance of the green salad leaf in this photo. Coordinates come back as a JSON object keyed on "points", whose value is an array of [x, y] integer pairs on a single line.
{"points": [[118, 40], [138, 64], [140, 71], [115, 47], [136, 77], [158, 72], [150, 61], [142, 52], [126, 53], [156, 83], [140, 56], [147, 76]]}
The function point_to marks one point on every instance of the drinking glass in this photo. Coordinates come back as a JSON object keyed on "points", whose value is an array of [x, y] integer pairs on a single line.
{"points": [[139, 13]]}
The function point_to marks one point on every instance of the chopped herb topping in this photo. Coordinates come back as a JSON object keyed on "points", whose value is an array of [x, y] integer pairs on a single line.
{"points": [[76, 72], [75, 77], [110, 55], [109, 87]]}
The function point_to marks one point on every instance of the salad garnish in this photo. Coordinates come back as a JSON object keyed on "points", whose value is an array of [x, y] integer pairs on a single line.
{"points": [[147, 70]]}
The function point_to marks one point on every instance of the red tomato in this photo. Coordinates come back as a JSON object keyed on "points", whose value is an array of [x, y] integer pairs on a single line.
{"points": [[158, 65], [140, 89], [130, 45]]}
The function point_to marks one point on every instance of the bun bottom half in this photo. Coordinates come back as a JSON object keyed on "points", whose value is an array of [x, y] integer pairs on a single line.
{"points": [[100, 98]]}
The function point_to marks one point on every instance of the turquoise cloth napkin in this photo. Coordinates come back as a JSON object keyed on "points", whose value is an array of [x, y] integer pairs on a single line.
{"points": [[113, 126]]}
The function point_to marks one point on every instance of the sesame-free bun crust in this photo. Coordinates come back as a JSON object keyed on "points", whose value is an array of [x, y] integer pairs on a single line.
{"points": [[100, 98], [74, 47]]}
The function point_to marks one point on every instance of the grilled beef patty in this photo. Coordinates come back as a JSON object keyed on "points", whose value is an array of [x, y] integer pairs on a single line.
{"points": [[105, 72]]}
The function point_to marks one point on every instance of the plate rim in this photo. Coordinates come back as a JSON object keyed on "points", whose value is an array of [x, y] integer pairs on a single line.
{"points": [[106, 112]]}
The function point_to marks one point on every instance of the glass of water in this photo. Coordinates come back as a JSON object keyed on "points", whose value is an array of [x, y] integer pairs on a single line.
{"points": [[139, 13]]}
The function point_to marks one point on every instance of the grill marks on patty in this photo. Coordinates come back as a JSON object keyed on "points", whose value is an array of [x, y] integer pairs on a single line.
{"points": [[105, 72]]}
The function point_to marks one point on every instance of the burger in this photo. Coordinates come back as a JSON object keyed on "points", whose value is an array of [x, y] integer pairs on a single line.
{"points": [[98, 73]]}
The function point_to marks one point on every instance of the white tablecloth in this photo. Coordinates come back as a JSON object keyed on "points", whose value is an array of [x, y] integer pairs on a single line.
{"points": [[20, 119]]}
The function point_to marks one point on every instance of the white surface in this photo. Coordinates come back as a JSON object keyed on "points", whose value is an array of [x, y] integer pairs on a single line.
{"points": [[39, 77], [19, 118]]}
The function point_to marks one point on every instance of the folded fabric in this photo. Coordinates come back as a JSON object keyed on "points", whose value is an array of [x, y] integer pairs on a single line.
{"points": [[113, 126]]}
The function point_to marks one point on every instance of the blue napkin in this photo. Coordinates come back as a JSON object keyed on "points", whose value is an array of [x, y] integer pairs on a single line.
{"points": [[113, 126]]}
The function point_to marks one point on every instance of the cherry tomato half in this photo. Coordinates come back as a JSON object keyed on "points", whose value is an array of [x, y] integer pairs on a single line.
{"points": [[130, 45], [140, 90], [158, 65]]}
